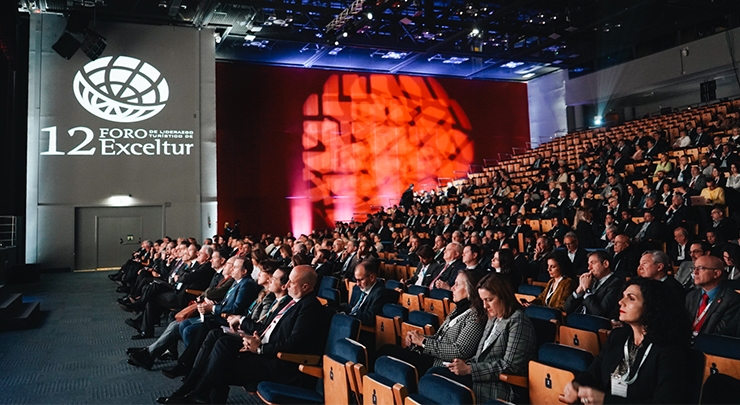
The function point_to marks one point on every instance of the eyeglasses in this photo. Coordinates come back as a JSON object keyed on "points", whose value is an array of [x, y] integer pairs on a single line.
{"points": [[699, 268]]}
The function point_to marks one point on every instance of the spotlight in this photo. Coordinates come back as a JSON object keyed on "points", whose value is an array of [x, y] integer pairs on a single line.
{"points": [[474, 32], [369, 16], [345, 34]]}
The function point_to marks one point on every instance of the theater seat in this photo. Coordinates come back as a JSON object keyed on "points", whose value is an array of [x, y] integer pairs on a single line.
{"points": [[334, 387], [435, 389], [391, 382]]}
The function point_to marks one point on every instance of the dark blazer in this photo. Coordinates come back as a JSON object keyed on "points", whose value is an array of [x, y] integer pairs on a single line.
{"points": [[580, 261], [432, 271], [626, 261], [603, 302], [250, 326], [676, 289], [303, 329], [373, 303], [720, 313], [198, 278], [663, 377], [239, 300], [672, 252], [449, 274]]}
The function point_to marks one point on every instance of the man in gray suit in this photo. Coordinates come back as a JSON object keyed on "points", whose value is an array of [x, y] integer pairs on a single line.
{"points": [[713, 305]]}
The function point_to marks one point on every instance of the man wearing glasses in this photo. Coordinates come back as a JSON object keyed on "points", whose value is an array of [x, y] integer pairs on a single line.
{"points": [[713, 305]]}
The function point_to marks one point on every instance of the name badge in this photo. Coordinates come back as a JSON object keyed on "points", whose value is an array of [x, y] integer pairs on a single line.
{"points": [[178, 286], [619, 387]]}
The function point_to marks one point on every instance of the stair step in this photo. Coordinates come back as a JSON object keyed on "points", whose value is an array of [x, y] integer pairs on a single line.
{"points": [[27, 317], [9, 304]]}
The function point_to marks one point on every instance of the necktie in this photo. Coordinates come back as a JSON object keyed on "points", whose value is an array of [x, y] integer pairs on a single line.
{"points": [[266, 334], [701, 313], [357, 306], [439, 275], [230, 292], [693, 181]]}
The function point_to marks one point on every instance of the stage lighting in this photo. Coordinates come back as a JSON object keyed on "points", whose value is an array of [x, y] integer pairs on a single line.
{"points": [[93, 45], [66, 46]]}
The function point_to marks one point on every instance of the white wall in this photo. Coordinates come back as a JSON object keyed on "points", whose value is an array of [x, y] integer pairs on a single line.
{"points": [[185, 185], [547, 115]]}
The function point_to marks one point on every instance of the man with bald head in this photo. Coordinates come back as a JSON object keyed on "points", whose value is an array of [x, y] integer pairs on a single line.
{"points": [[625, 256], [453, 264], [713, 305], [300, 327]]}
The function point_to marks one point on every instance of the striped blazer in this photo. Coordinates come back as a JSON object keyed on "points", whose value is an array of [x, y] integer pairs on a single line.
{"points": [[513, 346]]}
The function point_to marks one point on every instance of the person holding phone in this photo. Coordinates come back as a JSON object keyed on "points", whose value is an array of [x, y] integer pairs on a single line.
{"points": [[458, 336]]}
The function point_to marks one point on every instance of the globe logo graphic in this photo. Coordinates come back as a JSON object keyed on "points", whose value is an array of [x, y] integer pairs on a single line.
{"points": [[121, 89]]}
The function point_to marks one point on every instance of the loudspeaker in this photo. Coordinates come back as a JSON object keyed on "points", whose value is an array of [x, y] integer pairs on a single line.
{"points": [[66, 46], [708, 91]]}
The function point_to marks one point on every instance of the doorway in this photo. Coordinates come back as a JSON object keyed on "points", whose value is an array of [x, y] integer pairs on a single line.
{"points": [[106, 237]]}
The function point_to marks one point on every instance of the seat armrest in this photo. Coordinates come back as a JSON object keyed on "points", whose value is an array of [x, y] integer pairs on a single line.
{"points": [[193, 292], [307, 359], [314, 371], [365, 328], [518, 380]]}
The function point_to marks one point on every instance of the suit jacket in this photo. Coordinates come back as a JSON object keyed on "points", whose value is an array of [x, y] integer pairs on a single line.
{"points": [[672, 252], [564, 289], [249, 325], [659, 379], [683, 275], [302, 329], [198, 278], [449, 273], [373, 303], [238, 301], [431, 273], [626, 261], [514, 345], [580, 261], [721, 311], [603, 302]]}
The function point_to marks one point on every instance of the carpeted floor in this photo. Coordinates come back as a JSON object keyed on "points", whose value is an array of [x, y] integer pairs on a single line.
{"points": [[77, 355]]}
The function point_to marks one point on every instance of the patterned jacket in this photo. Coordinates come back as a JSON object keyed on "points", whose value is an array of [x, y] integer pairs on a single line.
{"points": [[456, 338], [512, 346]]}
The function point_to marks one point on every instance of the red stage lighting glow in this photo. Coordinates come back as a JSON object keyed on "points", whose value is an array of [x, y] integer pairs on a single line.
{"points": [[367, 137]]}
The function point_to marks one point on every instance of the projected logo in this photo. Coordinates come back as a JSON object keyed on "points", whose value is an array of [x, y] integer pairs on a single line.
{"points": [[121, 89], [365, 138]]}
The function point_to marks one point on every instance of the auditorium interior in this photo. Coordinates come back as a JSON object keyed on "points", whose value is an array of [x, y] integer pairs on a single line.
{"points": [[386, 202]]}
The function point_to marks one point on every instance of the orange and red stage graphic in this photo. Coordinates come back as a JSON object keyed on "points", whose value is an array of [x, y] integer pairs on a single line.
{"points": [[298, 149], [366, 138]]}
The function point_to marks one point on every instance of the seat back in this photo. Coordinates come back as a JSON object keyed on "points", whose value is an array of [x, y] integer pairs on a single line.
{"points": [[587, 332], [388, 325], [329, 296], [423, 322], [418, 289], [556, 367], [411, 302], [544, 313], [529, 289], [342, 327], [393, 284], [437, 389], [338, 370], [437, 307], [328, 282], [390, 383], [722, 355]]}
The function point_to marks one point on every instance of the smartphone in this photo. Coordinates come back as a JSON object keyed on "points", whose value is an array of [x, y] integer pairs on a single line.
{"points": [[446, 363], [523, 300]]}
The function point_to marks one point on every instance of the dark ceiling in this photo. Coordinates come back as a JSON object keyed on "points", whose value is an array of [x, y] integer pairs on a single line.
{"points": [[497, 40]]}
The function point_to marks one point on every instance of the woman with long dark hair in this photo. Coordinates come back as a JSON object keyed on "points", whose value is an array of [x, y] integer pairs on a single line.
{"points": [[457, 337], [646, 360]]}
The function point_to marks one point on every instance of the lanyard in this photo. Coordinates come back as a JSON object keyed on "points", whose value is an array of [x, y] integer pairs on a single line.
{"points": [[702, 314], [626, 356]]}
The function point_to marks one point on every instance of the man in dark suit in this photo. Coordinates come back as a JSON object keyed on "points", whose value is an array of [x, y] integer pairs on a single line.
{"points": [[576, 254], [650, 234], [626, 258], [654, 264], [370, 293], [598, 291], [714, 304], [300, 327], [627, 225], [445, 279], [724, 228], [519, 227], [679, 250], [426, 270], [472, 257], [676, 214], [697, 180]]}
